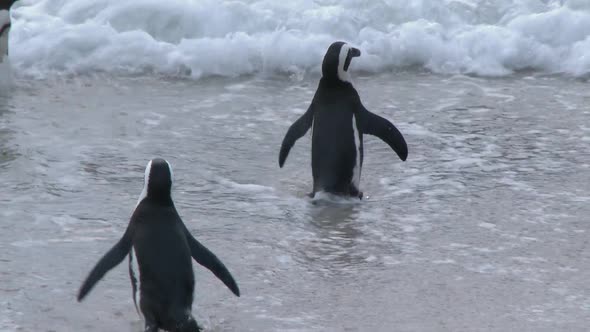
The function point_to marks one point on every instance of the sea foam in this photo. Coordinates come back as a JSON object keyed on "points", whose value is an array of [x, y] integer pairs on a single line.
{"points": [[198, 38]]}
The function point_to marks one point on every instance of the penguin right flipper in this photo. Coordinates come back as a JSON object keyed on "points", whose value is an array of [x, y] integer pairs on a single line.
{"points": [[111, 259], [207, 259], [295, 132], [373, 124]]}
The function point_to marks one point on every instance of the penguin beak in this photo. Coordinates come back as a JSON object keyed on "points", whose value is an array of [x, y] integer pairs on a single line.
{"points": [[355, 52]]}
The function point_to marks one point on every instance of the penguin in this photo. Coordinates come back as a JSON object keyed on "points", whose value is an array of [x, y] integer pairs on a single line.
{"points": [[338, 120], [160, 248], [4, 27]]}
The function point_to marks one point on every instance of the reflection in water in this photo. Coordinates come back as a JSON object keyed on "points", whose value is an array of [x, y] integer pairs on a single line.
{"points": [[347, 235], [329, 217], [336, 232]]}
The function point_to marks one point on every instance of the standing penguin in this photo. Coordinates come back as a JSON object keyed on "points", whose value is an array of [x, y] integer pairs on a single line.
{"points": [[160, 248], [338, 120], [4, 27]]}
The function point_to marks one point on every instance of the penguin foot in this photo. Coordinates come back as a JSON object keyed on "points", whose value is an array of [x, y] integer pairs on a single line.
{"points": [[353, 192], [189, 326]]}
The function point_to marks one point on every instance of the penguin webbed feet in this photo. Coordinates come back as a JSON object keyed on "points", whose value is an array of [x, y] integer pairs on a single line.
{"points": [[352, 192], [356, 193], [190, 325]]}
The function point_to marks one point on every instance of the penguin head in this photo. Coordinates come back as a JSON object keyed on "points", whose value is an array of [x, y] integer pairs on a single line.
{"points": [[337, 61], [157, 184]]}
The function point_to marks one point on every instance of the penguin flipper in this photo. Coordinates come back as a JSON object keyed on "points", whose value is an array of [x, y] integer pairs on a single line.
{"points": [[373, 124], [111, 259], [295, 132], [206, 258]]}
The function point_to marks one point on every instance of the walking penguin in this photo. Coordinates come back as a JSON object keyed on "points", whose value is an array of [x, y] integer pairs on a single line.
{"points": [[160, 248], [338, 121]]}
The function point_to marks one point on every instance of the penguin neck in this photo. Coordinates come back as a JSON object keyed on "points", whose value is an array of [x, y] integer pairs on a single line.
{"points": [[334, 82], [162, 199]]}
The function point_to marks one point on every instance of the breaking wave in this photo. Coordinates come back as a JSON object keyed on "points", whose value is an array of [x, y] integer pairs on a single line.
{"points": [[199, 38]]}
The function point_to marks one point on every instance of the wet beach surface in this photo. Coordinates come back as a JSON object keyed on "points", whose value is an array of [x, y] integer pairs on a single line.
{"points": [[485, 227]]}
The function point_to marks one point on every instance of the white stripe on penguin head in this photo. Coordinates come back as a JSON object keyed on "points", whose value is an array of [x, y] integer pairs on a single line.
{"points": [[171, 173], [343, 75], [146, 180]]}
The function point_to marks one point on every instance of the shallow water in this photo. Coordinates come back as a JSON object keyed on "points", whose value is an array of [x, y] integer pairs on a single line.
{"points": [[485, 227]]}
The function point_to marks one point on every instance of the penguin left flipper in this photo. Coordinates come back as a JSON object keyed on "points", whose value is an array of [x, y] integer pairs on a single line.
{"points": [[207, 259], [111, 259], [373, 124], [295, 132]]}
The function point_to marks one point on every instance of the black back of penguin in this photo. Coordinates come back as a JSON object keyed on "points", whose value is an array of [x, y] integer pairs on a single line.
{"points": [[334, 146], [164, 274]]}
